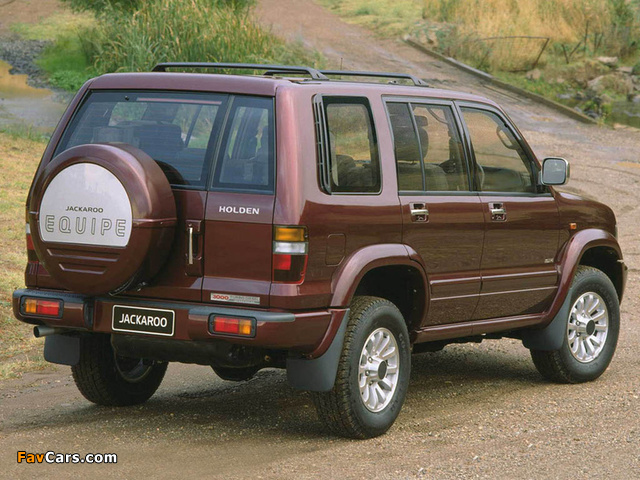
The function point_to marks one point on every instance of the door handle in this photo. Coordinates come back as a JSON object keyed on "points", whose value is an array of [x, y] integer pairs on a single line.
{"points": [[419, 212], [194, 247], [190, 248], [498, 212]]}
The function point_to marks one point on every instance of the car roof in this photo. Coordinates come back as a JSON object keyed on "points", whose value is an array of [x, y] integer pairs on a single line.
{"points": [[268, 85]]}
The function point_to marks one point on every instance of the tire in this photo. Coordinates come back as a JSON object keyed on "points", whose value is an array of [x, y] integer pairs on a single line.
{"points": [[343, 408], [563, 366], [107, 379], [235, 374]]}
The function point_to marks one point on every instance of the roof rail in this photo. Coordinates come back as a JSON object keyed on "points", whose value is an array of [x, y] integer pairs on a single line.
{"points": [[418, 82], [270, 69]]}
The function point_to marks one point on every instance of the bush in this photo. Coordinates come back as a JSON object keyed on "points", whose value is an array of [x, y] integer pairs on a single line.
{"points": [[100, 7], [183, 30]]}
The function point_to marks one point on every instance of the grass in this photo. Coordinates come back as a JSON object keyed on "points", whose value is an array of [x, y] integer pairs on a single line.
{"points": [[187, 30], [84, 46], [385, 17], [19, 157]]}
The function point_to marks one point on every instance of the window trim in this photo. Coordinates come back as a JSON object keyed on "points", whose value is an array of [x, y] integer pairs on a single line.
{"points": [[410, 101], [322, 139], [541, 191]]}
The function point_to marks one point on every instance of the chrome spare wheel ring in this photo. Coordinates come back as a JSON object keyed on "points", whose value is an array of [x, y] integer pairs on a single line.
{"points": [[588, 327], [379, 369]]}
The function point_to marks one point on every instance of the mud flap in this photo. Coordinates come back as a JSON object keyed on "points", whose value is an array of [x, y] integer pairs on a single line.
{"points": [[62, 349], [318, 374], [552, 336]]}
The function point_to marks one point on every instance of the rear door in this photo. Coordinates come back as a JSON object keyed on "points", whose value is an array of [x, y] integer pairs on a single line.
{"points": [[519, 274], [442, 217], [236, 237], [181, 132]]}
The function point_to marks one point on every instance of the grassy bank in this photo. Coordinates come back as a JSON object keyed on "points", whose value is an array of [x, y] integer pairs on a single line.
{"points": [[506, 38], [19, 157], [103, 36]]}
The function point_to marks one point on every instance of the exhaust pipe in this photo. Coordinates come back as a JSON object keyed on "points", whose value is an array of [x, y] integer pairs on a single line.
{"points": [[44, 330]]}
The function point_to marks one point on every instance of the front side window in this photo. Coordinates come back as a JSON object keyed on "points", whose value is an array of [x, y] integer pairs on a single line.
{"points": [[429, 153], [349, 156], [501, 163]]}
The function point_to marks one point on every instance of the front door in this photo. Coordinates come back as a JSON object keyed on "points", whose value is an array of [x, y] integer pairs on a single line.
{"points": [[442, 218], [518, 269]]}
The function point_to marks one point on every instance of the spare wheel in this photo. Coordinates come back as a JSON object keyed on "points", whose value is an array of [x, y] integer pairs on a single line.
{"points": [[102, 218]]}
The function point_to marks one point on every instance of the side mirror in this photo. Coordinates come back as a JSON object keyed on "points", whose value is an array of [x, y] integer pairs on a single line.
{"points": [[555, 171]]}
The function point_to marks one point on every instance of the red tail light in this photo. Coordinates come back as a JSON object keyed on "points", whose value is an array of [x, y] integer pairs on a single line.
{"points": [[290, 253], [38, 306], [233, 326]]}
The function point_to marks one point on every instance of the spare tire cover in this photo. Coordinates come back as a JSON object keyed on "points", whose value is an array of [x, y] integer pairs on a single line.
{"points": [[102, 217]]}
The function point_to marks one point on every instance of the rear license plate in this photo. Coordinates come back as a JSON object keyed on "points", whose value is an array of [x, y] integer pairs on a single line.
{"points": [[152, 321]]}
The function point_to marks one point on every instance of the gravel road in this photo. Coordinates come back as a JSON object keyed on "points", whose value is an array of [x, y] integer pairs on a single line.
{"points": [[473, 411]]}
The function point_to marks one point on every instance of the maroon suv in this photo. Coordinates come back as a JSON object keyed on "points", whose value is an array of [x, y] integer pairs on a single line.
{"points": [[296, 220]]}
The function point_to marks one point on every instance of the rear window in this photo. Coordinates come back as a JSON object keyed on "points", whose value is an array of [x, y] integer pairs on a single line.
{"points": [[198, 139]]}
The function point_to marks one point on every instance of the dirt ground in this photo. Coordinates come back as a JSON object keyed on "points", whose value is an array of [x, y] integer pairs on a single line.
{"points": [[25, 11], [473, 411]]}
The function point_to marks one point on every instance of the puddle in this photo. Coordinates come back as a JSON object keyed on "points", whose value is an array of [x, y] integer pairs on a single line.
{"points": [[21, 104], [627, 113]]}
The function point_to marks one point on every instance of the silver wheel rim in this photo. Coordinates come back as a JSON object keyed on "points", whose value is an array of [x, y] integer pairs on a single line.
{"points": [[132, 370], [379, 369], [588, 327]]}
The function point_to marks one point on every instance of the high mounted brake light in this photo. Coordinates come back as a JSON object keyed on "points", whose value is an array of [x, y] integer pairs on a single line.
{"points": [[290, 252]]}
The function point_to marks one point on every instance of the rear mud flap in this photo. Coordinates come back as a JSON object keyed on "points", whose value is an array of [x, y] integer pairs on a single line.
{"points": [[318, 374], [62, 349]]}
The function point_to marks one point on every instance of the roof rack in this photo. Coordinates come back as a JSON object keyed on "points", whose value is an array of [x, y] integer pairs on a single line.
{"points": [[270, 69], [418, 82]]}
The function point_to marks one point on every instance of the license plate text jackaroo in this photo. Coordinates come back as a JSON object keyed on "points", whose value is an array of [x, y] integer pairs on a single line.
{"points": [[152, 321]]}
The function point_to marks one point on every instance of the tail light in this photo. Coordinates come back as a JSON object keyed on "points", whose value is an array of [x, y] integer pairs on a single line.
{"points": [[39, 306], [290, 252], [245, 327], [31, 251]]}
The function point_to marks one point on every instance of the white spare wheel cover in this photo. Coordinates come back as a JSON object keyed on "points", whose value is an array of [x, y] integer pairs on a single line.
{"points": [[100, 213], [102, 217]]}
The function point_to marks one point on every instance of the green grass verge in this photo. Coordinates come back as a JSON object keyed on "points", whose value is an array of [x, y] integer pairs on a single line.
{"points": [[66, 61], [19, 157]]}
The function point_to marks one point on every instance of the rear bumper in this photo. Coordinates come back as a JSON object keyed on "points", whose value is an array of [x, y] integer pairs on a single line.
{"points": [[307, 333]]}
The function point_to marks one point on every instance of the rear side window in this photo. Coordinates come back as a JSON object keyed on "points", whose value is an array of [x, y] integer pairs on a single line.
{"points": [[183, 132], [348, 147], [428, 149]]}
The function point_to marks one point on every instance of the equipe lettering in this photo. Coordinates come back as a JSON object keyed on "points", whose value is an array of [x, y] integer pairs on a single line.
{"points": [[106, 225], [64, 225]]}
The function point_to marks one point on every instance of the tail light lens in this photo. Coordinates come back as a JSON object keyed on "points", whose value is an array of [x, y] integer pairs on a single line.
{"points": [[290, 253], [233, 326], [38, 306]]}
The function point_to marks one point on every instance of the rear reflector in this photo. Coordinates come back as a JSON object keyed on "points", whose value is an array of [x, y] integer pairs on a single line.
{"points": [[290, 250], [233, 326], [39, 306], [31, 250]]}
